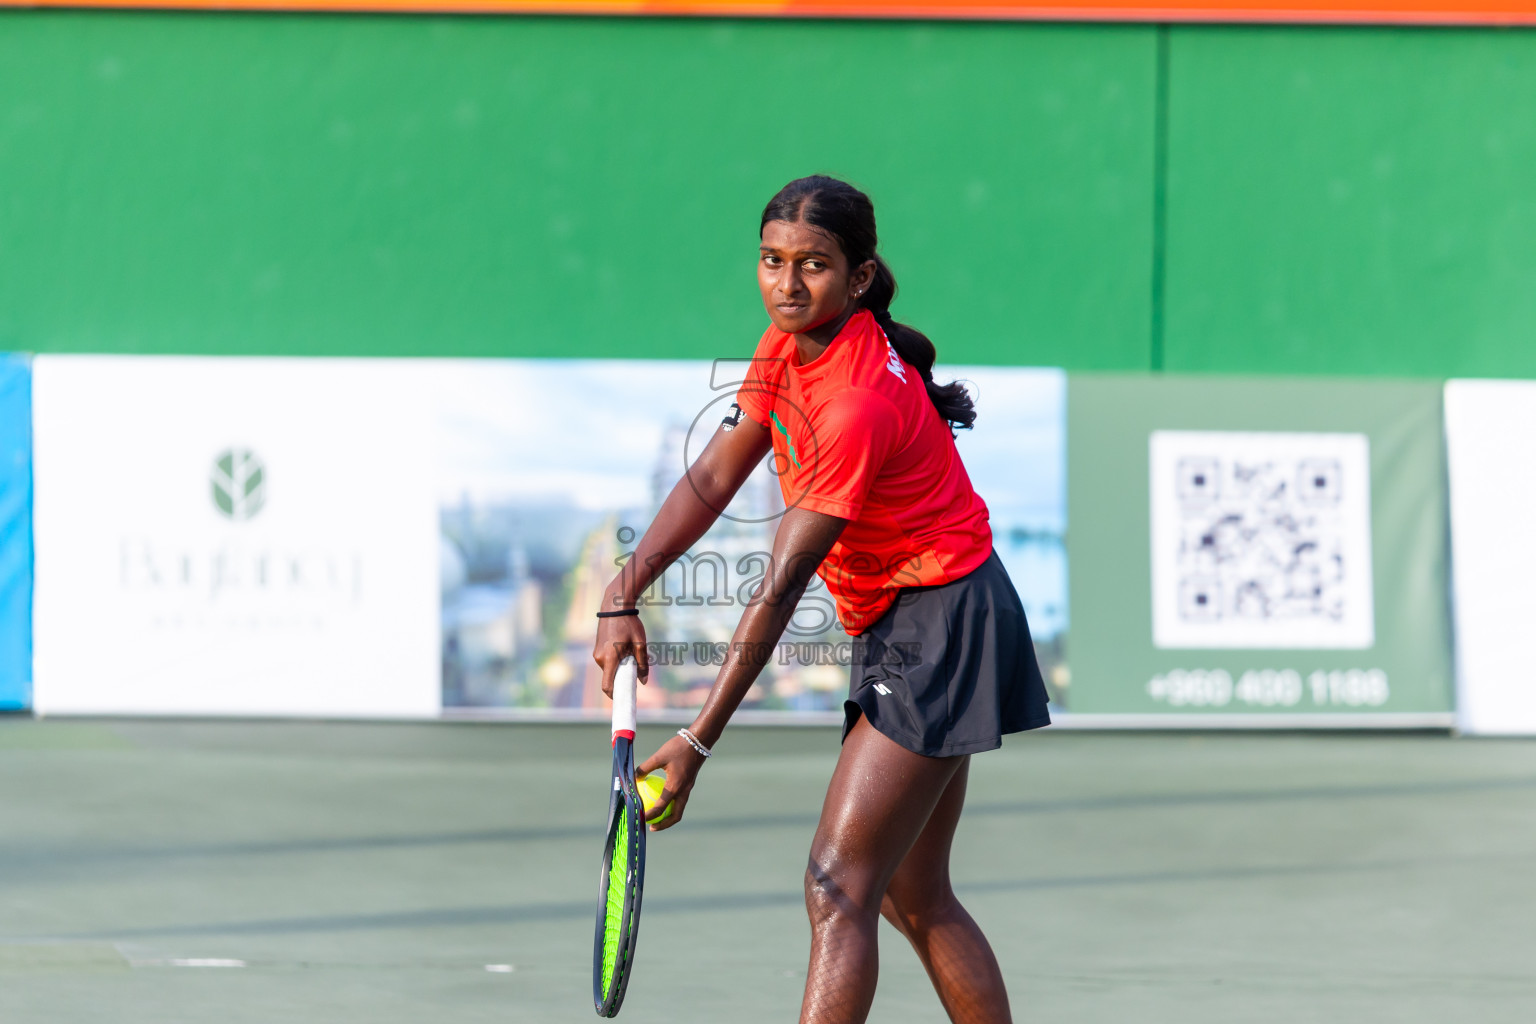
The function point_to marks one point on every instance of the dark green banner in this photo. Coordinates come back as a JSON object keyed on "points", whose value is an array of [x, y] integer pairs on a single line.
{"points": [[1264, 548]]}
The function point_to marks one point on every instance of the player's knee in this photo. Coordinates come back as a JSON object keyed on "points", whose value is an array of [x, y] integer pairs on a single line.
{"points": [[832, 896], [916, 910]]}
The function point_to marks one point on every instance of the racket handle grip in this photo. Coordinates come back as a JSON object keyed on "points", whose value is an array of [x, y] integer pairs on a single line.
{"points": [[624, 684]]}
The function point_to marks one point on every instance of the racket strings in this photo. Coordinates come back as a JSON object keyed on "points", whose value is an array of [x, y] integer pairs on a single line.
{"points": [[618, 890]]}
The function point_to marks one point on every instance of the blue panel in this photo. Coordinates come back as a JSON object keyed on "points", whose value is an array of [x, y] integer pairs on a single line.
{"points": [[15, 533]]}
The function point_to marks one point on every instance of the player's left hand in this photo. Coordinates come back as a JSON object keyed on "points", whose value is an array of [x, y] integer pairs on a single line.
{"points": [[681, 763], [617, 639]]}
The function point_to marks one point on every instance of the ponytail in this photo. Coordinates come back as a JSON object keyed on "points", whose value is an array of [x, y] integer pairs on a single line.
{"points": [[952, 400], [847, 214]]}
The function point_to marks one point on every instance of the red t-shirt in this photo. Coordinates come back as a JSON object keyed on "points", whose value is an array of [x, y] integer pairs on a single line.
{"points": [[856, 436]]}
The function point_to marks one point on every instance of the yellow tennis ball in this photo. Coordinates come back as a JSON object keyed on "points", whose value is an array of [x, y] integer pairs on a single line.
{"points": [[650, 787]]}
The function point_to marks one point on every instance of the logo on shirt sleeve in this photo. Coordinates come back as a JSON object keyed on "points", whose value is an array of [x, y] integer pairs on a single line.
{"points": [[779, 425], [893, 362]]}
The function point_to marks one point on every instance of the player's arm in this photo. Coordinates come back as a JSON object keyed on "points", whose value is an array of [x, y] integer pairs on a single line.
{"points": [[693, 506], [801, 544]]}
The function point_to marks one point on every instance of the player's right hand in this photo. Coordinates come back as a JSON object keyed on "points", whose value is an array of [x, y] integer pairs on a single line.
{"points": [[681, 763], [619, 638]]}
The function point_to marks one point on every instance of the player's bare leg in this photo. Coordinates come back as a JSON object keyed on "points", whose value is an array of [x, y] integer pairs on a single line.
{"points": [[920, 902], [878, 803]]}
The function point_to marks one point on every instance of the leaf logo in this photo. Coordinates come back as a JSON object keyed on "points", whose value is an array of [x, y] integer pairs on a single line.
{"points": [[239, 484]]}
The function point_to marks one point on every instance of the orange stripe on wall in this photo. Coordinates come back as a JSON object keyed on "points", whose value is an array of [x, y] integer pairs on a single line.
{"points": [[1484, 12]]}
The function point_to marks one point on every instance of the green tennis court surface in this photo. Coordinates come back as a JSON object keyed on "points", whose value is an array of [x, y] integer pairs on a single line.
{"points": [[373, 872]]}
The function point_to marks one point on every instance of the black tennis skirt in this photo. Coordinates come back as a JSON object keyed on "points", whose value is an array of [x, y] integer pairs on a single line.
{"points": [[949, 669]]}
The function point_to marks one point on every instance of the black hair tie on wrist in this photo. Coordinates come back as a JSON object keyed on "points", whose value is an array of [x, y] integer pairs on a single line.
{"points": [[617, 614]]}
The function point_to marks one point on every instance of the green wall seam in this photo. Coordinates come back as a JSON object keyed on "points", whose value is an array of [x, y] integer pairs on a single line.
{"points": [[1160, 115]]}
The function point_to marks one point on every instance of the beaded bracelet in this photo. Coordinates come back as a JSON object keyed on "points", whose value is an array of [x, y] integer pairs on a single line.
{"points": [[693, 741]]}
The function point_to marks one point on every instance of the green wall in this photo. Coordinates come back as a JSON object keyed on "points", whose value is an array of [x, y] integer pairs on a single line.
{"points": [[1348, 201], [534, 186], [1130, 197]]}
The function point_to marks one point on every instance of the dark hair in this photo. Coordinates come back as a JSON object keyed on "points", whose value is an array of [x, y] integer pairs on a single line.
{"points": [[846, 214]]}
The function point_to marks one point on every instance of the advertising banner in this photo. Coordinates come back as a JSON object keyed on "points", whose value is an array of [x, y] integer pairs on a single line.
{"points": [[549, 471], [15, 533], [1253, 551], [384, 537], [234, 536], [1490, 428], [1444, 12]]}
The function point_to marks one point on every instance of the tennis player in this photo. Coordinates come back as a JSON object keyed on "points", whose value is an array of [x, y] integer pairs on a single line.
{"points": [[880, 505]]}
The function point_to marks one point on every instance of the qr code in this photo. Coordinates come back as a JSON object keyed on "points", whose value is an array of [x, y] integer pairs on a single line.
{"points": [[1261, 540]]}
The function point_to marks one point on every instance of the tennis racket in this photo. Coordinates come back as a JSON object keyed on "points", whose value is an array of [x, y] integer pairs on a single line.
{"points": [[623, 875]]}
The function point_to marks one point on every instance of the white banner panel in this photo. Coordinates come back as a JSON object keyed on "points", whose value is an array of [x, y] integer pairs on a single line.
{"points": [[235, 536], [1490, 430]]}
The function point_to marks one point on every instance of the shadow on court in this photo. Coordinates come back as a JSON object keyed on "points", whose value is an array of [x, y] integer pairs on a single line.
{"points": [[165, 871]]}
